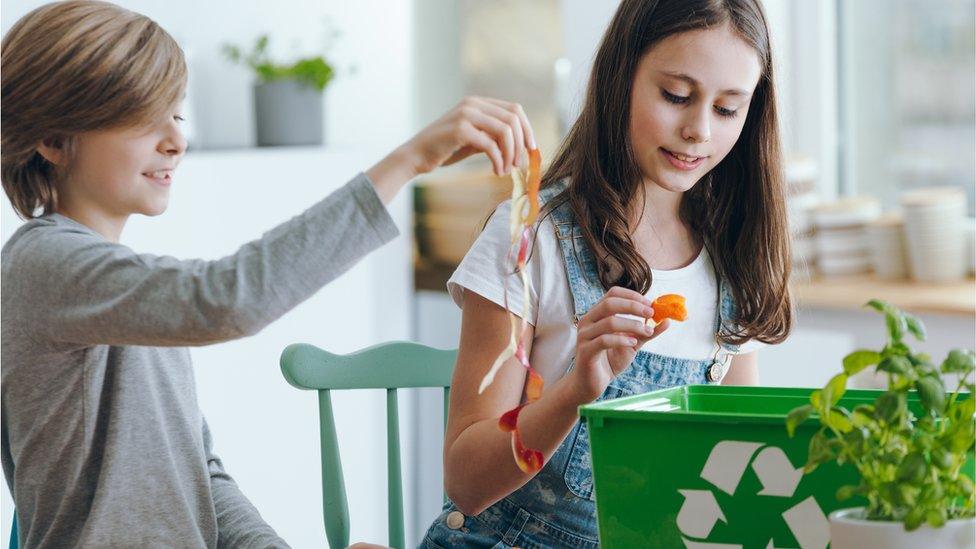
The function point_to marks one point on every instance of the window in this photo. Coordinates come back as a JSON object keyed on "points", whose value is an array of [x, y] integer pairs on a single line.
{"points": [[907, 96]]}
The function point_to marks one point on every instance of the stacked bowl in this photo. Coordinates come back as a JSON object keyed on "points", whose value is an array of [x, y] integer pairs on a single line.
{"points": [[841, 246], [935, 232], [885, 237]]}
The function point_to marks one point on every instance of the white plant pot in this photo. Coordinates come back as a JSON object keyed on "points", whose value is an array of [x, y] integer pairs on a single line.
{"points": [[849, 531]]}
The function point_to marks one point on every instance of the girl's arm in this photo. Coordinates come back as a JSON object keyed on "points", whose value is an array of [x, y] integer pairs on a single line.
{"points": [[744, 370], [479, 468]]}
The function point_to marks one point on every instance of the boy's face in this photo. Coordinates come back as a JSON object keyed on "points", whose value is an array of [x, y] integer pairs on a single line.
{"points": [[689, 101], [124, 171]]}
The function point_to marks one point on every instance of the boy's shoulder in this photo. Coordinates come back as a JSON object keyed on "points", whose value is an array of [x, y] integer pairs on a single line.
{"points": [[40, 240]]}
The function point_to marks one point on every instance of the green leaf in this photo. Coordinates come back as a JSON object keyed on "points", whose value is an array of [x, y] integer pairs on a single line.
{"points": [[897, 348], [816, 399], [819, 452], [856, 436], [935, 517], [965, 407], [933, 493], [262, 44], [797, 416], [862, 415], [925, 368], [859, 360], [941, 458], [963, 438], [894, 318], [912, 469], [835, 389], [878, 305], [914, 518], [905, 493], [895, 365], [931, 393], [965, 485], [896, 326], [915, 326], [890, 406], [839, 421], [959, 361], [846, 492]]}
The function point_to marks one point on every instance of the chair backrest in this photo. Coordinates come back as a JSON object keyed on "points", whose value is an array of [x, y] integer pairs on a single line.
{"points": [[389, 366]]}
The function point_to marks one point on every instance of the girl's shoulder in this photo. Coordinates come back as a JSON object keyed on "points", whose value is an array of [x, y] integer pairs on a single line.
{"points": [[488, 265]]}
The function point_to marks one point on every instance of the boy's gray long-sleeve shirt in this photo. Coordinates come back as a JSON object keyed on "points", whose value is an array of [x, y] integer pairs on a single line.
{"points": [[103, 442]]}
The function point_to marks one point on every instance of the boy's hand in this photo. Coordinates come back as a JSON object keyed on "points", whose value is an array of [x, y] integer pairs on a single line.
{"points": [[498, 129], [477, 124]]}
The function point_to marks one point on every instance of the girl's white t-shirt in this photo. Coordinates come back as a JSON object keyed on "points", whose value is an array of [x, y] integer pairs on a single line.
{"points": [[551, 310]]}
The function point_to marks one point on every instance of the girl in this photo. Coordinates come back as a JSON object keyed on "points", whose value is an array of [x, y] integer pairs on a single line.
{"points": [[669, 182], [103, 442]]}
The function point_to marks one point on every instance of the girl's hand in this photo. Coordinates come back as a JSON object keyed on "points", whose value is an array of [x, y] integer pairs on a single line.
{"points": [[606, 344], [498, 129]]}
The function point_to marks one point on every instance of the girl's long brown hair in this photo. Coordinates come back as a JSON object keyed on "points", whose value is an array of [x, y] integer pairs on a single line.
{"points": [[738, 208]]}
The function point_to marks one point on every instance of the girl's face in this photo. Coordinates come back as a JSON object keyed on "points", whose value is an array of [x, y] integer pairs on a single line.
{"points": [[124, 171], [689, 100]]}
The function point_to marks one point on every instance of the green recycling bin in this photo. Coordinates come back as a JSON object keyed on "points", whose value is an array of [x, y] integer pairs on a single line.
{"points": [[711, 466]]}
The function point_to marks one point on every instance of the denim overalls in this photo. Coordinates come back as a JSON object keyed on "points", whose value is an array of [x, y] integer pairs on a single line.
{"points": [[557, 508]]}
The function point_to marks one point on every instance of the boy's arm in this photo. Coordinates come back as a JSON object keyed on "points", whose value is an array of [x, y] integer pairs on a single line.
{"points": [[87, 290], [239, 525]]}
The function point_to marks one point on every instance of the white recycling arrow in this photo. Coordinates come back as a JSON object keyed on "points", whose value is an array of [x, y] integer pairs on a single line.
{"points": [[699, 513], [776, 473], [692, 544], [726, 463], [808, 524]]}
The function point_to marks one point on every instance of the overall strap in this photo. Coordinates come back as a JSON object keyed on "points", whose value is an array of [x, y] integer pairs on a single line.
{"points": [[581, 270]]}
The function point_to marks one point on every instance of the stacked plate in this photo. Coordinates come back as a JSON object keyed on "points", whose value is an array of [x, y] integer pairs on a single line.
{"points": [[934, 228], [971, 243], [841, 246], [885, 237], [800, 211]]}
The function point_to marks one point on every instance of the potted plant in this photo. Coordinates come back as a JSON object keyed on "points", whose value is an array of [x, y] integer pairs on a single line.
{"points": [[910, 458], [288, 97]]}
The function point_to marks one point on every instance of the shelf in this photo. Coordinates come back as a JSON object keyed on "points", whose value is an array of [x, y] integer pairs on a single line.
{"points": [[851, 292], [430, 276]]}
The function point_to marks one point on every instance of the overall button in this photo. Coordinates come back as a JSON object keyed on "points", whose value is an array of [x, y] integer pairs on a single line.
{"points": [[455, 520], [716, 371]]}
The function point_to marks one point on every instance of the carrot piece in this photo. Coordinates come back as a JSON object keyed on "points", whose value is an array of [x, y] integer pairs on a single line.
{"points": [[669, 306]]}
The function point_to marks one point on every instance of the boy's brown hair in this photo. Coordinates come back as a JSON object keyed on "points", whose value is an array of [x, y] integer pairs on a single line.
{"points": [[72, 67]]}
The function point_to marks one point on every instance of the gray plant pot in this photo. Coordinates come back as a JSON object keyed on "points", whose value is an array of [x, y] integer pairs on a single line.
{"points": [[288, 113]]}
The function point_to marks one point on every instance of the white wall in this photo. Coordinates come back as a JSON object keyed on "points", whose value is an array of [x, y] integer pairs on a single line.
{"points": [[265, 430], [367, 106]]}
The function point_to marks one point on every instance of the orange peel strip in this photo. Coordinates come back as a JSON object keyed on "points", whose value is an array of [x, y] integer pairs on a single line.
{"points": [[525, 211]]}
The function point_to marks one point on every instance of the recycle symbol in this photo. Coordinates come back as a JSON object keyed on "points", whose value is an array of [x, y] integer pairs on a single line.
{"points": [[724, 468]]}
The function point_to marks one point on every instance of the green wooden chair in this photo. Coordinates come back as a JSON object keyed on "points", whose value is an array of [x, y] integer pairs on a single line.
{"points": [[13, 533], [389, 366]]}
